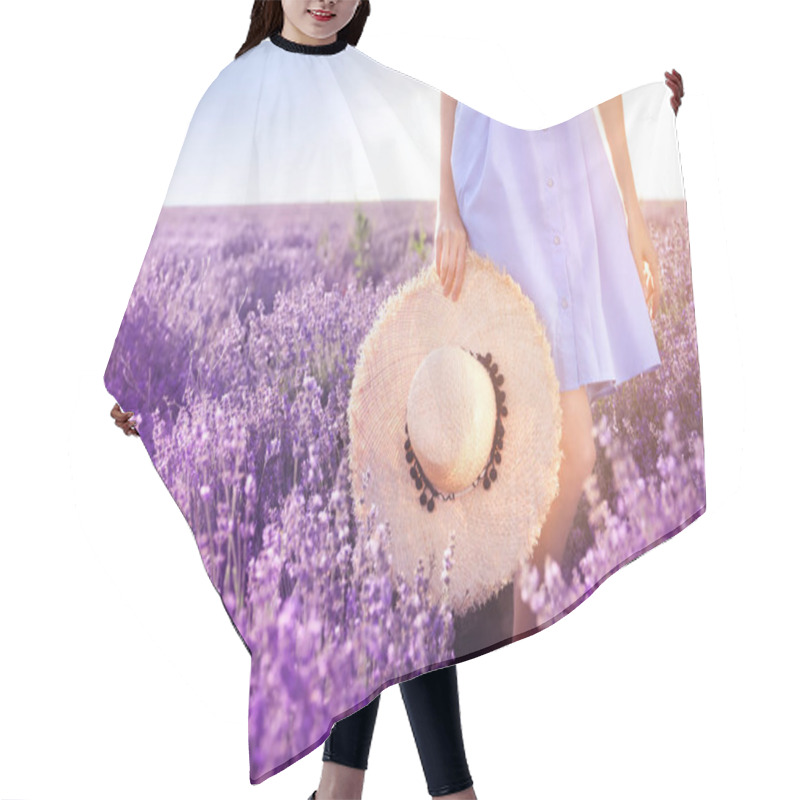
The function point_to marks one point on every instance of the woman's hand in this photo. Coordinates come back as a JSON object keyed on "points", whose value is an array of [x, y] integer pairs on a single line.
{"points": [[675, 82], [123, 420], [451, 249], [646, 258]]}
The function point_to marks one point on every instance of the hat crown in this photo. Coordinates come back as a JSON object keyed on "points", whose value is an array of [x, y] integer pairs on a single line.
{"points": [[451, 417]]}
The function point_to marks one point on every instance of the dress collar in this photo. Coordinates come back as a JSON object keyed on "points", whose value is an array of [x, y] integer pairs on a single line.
{"points": [[309, 49]]}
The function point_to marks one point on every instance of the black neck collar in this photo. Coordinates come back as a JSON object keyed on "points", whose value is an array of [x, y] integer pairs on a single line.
{"points": [[309, 49]]}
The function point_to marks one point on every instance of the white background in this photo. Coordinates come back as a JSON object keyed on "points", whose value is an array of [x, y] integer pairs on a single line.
{"points": [[120, 674]]}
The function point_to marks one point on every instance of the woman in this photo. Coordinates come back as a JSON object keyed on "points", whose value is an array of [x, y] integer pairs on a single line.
{"points": [[431, 699]]}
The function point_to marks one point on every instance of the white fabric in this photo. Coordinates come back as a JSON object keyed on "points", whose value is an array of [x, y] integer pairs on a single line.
{"points": [[271, 111]]}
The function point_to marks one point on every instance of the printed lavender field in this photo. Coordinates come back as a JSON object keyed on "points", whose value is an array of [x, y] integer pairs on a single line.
{"points": [[240, 386], [649, 480]]}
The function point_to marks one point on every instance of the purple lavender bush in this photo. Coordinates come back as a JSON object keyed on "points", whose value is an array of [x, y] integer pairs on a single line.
{"points": [[649, 480], [236, 354], [245, 343]]}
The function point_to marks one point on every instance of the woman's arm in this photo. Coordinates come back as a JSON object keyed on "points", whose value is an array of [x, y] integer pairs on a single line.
{"points": [[451, 236], [447, 190], [642, 249], [614, 124]]}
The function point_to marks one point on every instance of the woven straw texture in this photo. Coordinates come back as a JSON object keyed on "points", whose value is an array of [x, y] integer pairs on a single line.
{"points": [[494, 528]]}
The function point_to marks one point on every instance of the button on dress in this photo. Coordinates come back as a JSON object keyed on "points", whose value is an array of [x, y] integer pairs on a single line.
{"points": [[544, 205]]}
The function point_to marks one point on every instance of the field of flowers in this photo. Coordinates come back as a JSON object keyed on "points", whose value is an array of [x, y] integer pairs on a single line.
{"points": [[236, 354], [649, 480]]}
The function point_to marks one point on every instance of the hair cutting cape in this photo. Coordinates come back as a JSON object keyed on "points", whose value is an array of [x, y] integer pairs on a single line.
{"points": [[304, 196]]}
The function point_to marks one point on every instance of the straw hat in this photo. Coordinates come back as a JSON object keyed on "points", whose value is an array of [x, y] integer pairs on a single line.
{"points": [[455, 411]]}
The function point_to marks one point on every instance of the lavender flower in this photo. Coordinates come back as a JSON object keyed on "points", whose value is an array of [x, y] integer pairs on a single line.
{"points": [[236, 353]]}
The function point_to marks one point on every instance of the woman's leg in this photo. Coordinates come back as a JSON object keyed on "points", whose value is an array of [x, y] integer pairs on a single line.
{"points": [[433, 710], [346, 753], [577, 443]]}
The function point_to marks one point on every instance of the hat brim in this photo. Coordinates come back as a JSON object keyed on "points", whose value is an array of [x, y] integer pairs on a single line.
{"points": [[494, 528]]}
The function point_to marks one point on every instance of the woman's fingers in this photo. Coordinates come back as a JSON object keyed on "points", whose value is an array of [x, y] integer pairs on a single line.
{"points": [[461, 259], [674, 101], [651, 297], [651, 257], [129, 426], [656, 288], [119, 415], [674, 79], [123, 419], [675, 83], [452, 257], [452, 261], [653, 290], [451, 268], [444, 275]]}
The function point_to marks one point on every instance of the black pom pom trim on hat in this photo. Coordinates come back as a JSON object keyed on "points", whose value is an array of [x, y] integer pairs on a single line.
{"points": [[489, 472]]}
